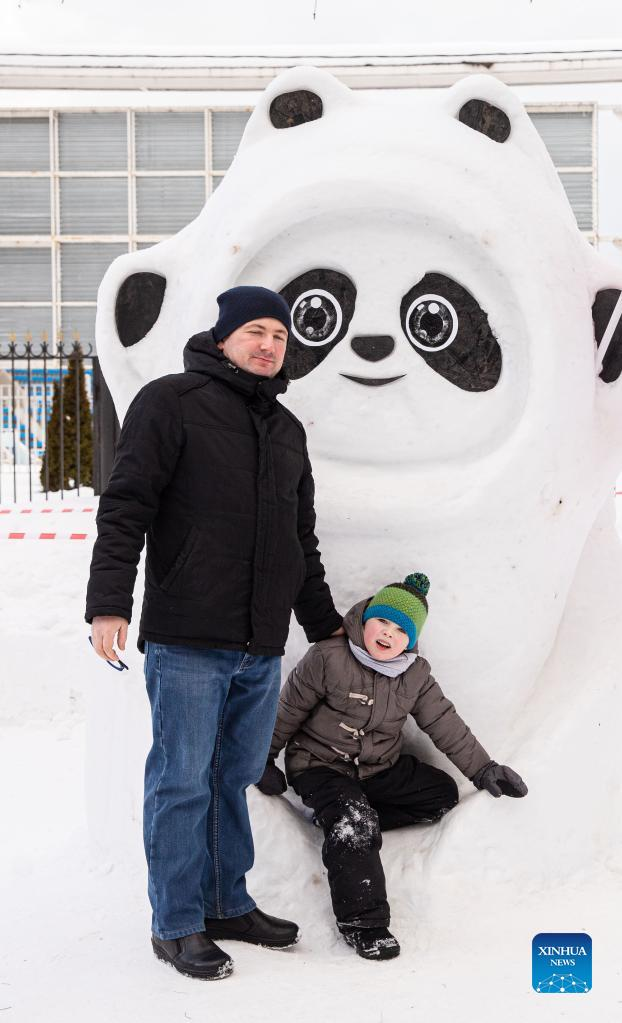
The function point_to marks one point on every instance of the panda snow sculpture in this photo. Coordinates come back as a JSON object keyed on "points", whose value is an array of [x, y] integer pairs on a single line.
{"points": [[455, 355]]}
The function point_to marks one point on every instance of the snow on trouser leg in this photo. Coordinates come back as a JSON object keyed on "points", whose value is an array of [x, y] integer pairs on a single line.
{"points": [[351, 855], [351, 850]]}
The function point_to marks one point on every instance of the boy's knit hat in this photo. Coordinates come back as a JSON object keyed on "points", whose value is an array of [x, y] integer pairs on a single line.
{"points": [[403, 603], [246, 302]]}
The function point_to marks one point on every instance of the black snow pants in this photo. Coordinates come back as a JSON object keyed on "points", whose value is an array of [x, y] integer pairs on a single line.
{"points": [[354, 812]]}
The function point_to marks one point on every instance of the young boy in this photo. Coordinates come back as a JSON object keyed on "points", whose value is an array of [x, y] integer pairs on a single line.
{"points": [[341, 715]]}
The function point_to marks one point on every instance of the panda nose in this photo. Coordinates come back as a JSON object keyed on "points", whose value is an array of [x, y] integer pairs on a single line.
{"points": [[373, 347]]}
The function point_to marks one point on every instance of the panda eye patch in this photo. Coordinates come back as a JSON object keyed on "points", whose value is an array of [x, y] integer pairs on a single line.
{"points": [[447, 328], [322, 305]]}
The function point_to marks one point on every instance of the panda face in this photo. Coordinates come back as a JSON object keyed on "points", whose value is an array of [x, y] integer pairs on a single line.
{"points": [[385, 327], [436, 313]]}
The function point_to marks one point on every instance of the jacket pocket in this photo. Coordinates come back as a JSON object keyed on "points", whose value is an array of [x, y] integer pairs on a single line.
{"points": [[181, 559]]}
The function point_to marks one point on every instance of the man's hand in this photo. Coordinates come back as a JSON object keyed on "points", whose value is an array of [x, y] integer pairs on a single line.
{"points": [[104, 629], [500, 780]]}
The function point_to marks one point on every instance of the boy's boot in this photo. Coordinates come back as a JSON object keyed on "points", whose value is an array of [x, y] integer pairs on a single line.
{"points": [[194, 955], [371, 942]]}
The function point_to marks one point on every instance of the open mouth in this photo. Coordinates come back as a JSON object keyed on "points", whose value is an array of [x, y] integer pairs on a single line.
{"points": [[383, 646], [372, 381]]}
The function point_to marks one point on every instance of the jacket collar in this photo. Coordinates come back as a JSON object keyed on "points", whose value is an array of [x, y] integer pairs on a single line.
{"points": [[202, 355]]}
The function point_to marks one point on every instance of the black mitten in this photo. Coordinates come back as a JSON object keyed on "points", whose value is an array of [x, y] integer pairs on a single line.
{"points": [[499, 780], [272, 781]]}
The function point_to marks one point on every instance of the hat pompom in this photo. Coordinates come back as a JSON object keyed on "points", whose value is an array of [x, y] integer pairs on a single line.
{"points": [[419, 582]]}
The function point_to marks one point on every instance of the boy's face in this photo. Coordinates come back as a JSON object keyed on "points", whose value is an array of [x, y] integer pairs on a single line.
{"points": [[384, 639]]}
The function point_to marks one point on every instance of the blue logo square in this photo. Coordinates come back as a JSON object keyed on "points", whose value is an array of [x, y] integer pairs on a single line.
{"points": [[561, 964]]}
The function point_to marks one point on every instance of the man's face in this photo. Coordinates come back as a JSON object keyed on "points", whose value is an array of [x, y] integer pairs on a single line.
{"points": [[257, 346]]}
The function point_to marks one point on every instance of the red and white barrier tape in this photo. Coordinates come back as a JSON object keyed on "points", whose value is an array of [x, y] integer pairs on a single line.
{"points": [[17, 530], [45, 536], [42, 511]]}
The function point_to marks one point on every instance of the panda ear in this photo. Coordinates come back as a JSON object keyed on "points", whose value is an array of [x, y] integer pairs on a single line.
{"points": [[297, 97], [137, 307], [482, 116], [491, 109], [607, 317], [289, 109], [487, 106]]}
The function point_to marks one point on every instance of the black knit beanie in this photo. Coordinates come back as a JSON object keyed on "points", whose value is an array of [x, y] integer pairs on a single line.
{"points": [[239, 305]]}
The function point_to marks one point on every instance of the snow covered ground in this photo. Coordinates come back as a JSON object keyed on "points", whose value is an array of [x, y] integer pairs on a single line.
{"points": [[74, 922]]}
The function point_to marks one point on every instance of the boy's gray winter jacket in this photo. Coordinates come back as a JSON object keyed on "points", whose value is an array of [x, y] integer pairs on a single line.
{"points": [[335, 712]]}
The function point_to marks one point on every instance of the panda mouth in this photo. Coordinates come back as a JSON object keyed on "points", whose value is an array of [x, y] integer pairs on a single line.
{"points": [[372, 381]]}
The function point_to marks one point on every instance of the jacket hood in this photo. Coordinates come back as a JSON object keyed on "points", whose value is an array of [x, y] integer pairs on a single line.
{"points": [[353, 624], [202, 355]]}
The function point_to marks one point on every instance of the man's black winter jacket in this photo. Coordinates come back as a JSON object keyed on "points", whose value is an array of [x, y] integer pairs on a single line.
{"points": [[216, 473]]}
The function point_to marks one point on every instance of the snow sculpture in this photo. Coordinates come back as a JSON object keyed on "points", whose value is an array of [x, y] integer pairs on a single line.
{"points": [[455, 359]]}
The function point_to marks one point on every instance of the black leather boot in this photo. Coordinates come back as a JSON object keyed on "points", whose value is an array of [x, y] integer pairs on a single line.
{"points": [[255, 927], [372, 942], [194, 955]]}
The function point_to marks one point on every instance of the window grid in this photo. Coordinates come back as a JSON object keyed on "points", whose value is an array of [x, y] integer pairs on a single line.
{"points": [[132, 238], [131, 182], [211, 176], [592, 168], [208, 149]]}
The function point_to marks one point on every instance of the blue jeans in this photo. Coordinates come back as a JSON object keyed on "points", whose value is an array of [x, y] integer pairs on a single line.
{"points": [[213, 713]]}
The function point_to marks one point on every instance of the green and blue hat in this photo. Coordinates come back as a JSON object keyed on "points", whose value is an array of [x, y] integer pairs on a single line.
{"points": [[403, 603]]}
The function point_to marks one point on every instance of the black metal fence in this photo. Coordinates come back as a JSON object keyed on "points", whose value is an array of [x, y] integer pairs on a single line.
{"points": [[58, 427]]}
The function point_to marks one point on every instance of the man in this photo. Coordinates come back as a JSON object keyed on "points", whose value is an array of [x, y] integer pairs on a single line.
{"points": [[216, 473]]}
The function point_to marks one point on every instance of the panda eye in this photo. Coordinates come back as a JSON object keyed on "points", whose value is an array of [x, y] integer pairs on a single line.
{"points": [[431, 323], [450, 331], [316, 317], [322, 305]]}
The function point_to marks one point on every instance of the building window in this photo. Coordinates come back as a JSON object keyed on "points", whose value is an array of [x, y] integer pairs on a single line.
{"points": [[77, 189], [568, 135]]}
